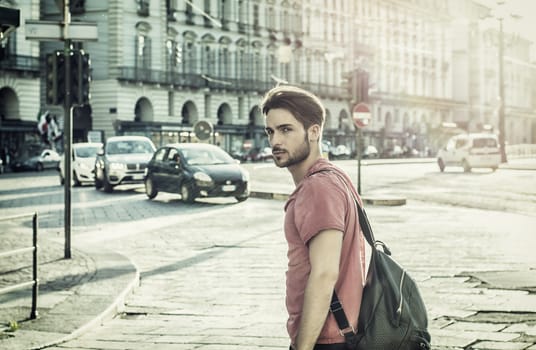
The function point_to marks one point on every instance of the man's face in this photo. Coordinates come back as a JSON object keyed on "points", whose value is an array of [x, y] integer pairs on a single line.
{"points": [[288, 138]]}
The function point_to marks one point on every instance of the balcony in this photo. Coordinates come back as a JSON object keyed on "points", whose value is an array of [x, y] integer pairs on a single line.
{"points": [[19, 63], [192, 80]]}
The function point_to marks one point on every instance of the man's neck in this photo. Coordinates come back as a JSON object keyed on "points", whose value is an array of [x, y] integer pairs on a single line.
{"points": [[298, 171]]}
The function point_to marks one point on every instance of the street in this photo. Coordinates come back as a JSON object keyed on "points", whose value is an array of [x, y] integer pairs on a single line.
{"points": [[212, 273]]}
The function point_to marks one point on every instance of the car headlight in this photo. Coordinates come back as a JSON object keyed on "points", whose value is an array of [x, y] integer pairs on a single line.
{"points": [[203, 179], [117, 166]]}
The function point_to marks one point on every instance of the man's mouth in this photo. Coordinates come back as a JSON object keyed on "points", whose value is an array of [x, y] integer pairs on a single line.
{"points": [[277, 152]]}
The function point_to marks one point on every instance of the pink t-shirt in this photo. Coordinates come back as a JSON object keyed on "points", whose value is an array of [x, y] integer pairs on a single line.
{"points": [[320, 202]]}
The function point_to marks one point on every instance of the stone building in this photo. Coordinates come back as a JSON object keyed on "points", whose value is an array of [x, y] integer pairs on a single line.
{"points": [[158, 67]]}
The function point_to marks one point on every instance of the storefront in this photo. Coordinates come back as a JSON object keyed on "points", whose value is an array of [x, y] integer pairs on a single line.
{"points": [[14, 136]]}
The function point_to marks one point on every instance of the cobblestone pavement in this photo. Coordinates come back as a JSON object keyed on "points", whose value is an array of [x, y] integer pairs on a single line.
{"points": [[212, 275]]}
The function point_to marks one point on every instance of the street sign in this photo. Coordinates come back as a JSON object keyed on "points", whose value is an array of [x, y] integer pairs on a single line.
{"points": [[53, 31], [203, 129], [361, 115]]}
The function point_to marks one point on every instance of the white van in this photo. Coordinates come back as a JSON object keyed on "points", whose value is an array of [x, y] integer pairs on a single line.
{"points": [[470, 151]]}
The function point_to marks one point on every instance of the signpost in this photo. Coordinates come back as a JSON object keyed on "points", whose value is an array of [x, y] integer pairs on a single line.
{"points": [[67, 32], [361, 116]]}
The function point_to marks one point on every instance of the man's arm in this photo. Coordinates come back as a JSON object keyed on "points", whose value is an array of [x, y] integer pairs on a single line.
{"points": [[324, 255]]}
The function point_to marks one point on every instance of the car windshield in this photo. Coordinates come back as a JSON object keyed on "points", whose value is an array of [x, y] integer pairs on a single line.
{"points": [[86, 152], [128, 147], [485, 142], [205, 156]]}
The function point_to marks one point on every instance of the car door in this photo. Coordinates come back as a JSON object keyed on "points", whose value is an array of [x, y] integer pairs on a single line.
{"points": [[173, 170], [155, 168]]}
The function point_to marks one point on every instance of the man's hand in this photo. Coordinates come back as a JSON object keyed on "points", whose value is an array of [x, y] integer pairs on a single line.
{"points": [[324, 255]]}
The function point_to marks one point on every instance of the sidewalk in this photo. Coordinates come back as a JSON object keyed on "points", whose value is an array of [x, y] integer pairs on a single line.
{"points": [[93, 289], [98, 281]]}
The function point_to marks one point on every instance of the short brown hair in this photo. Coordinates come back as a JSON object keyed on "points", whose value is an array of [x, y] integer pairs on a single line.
{"points": [[303, 105]]}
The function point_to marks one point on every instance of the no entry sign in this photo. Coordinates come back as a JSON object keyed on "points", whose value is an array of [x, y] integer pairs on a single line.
{"points": [[361, 115]]}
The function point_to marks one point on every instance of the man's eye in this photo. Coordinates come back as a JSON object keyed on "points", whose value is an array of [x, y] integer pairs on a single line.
{"points": [[286, 129]]}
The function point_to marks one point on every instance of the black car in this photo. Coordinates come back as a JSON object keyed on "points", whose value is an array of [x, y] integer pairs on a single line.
{"points": [[195, 170]]}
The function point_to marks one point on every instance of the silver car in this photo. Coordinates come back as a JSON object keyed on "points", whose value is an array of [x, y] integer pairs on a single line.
{"points": [[122, 160], [33, 158]]}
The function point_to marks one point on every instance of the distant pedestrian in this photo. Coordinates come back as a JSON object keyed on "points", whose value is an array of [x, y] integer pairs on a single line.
{"points": [[326, 250]]}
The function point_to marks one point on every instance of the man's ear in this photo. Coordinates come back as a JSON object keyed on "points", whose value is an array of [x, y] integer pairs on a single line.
{"points": [[314, 132]]}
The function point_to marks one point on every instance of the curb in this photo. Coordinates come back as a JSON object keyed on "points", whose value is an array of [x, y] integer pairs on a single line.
{"points": [[116, 307], [99, 299]]}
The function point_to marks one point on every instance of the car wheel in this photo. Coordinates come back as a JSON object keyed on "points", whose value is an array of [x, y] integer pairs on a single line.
{"points": [[241, 199], [441, 164], [187, 193], [107, 186], [39, 167], [150, 188], [62, 180], [76, 180], [466, 166]]}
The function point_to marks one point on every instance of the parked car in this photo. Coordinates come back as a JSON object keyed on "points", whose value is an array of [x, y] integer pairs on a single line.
{"points": [[257, 154], [122, 160], [196, 170], [339, 152], [82, 163], [36, 158], [470, 151], [393, 152], [370, 152], [1, 166]]}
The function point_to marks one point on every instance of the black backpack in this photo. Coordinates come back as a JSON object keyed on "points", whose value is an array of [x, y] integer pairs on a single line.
{"points": [[392, 314]]}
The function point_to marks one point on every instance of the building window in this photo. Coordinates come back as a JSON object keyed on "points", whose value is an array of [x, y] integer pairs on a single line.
{"points": [[256, 24], [224, 62], [143, 51], [270, 18], [143, 46], [190, 57], [174, 54], [143, 8], [206, 18], [225, 14], [242, 15]]}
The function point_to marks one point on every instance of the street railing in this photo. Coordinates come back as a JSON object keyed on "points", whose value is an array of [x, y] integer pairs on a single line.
{"points": [[521, 151], [35, 281]]}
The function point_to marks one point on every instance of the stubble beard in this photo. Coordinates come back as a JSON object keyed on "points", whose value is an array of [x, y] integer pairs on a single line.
{"points": [[301, 154]]}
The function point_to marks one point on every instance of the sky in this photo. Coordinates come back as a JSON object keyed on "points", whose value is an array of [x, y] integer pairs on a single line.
{"points": [[526, 25]]}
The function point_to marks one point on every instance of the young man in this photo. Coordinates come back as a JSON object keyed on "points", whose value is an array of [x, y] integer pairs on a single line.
{"points": [[325, 245]]}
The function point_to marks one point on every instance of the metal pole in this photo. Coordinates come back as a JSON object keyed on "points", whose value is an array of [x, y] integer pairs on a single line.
{"points": [[501, 94], [35, 289], [67, 132]]}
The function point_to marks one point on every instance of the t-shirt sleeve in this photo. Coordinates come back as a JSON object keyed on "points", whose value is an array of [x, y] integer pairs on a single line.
{"points": [[321, 205]]}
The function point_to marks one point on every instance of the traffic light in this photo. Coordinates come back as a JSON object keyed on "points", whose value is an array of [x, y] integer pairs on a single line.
{"points": [[51, 79], [60, 64], [55, 78], [81, 78]]}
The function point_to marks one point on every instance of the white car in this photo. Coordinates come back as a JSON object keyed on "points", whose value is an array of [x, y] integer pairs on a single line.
{"points": [[470, 151], [122, 160], [82, 163]]}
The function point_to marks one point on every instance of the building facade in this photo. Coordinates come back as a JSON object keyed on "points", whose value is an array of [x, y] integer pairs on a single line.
{"points": [[158, 67]]}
